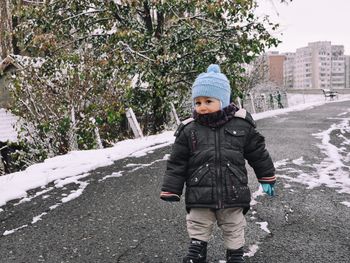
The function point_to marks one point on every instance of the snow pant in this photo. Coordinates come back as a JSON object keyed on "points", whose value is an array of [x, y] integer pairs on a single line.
{"points": [[200, 223]]}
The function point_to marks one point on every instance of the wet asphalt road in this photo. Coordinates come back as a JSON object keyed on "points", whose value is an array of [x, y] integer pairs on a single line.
{"points": [[122, 219]]}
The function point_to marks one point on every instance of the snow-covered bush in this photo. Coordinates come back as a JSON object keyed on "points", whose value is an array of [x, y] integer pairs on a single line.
{"points": [[65, 99]]}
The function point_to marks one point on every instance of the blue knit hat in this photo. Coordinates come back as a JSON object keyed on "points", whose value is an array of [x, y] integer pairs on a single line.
{"points": [[212, 84]]}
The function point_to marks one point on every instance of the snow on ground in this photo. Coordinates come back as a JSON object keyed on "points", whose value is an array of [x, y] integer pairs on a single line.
{"points": [[8, 232], [115, 174], [346, 203], [252, 250], [333, 168], [74, 166], [76, 163], [263, 226], [299, 98]]}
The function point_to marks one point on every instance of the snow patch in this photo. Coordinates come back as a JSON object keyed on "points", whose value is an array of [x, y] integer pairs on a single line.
{"points": [[255, 195], [38, 218], [142, 165], [332, 170], [263, 226], [147, 150], [345, 203], [75, 193], [54, 206], [9, 232], [74, 179], [27, 199], [252, 250], [279, 163], [299, 161], [113, 175], [16, 185]]}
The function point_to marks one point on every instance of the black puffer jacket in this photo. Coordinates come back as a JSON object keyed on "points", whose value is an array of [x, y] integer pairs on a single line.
{"points": [[209, 156]]}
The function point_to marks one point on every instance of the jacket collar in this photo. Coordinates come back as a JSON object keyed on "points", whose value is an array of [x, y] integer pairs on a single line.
{"points": [[218, 118]]}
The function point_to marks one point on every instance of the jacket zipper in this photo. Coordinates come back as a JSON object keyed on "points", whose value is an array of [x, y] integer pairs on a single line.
{"points": [[218, 169], [221, 175]]}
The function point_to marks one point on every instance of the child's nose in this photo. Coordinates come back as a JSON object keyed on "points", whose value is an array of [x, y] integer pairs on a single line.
{"points": [[202, 108]]}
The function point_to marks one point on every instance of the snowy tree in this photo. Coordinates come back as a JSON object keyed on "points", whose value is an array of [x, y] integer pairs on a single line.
{"points": [[256, 73], [102, 57], [62, 101]]}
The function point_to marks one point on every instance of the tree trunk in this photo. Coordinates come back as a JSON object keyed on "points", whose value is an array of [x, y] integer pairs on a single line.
{"points": [[5, 29], [159, 110]]}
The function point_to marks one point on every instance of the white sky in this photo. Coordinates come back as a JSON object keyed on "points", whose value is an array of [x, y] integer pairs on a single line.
{"points": [[304, 21]]}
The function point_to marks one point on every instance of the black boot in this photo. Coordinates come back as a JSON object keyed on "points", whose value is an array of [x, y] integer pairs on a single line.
{"points": [[235, 256], [197, 252]]}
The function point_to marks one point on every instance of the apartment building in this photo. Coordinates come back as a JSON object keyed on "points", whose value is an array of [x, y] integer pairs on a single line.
{"points": [[347, 72], [338, 67], [288, 70], [275, 67], [320, 65]]}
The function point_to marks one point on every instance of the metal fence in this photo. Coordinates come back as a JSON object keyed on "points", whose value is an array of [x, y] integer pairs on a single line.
{"points": [[260, 102]]}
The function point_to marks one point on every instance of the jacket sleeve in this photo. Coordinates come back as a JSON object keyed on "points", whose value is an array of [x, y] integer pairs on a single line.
{"points": [[259, 158], [176, 171]]}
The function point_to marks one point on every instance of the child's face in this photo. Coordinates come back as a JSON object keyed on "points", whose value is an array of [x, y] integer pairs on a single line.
{"points": [[204, 105]]}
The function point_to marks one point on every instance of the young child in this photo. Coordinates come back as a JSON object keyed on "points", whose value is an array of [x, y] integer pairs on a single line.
{"points": [[209, 157]]}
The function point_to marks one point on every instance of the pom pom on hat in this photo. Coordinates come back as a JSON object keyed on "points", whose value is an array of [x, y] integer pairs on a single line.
{"points": [[214, 68], [212, 84]]}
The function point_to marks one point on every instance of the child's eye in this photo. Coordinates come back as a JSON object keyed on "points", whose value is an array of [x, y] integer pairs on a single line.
{"points": [[197, 103], [209, 101]]}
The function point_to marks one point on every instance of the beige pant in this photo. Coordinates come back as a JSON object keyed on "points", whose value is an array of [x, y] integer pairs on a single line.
{"points": [[200, 223]]}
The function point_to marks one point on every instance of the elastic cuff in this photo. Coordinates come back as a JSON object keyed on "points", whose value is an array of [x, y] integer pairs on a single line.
{"points": [[267, 180]]}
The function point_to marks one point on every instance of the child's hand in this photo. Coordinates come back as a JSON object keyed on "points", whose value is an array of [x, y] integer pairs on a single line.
{"points": [[170, 197], [269, 189]]}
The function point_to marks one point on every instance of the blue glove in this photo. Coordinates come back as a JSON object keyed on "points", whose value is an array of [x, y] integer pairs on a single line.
{"points": [[269, 189]]}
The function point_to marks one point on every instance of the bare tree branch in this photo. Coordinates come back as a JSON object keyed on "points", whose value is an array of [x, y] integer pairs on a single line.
{"points": [[127, 48], [84, 13]]}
